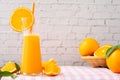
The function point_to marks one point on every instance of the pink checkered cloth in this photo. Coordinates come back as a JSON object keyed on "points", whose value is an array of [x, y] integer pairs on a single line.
{"points": [[74, 73]]}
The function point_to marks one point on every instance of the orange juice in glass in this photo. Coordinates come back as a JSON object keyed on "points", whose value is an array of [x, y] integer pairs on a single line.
{"points": [[31, 62]]}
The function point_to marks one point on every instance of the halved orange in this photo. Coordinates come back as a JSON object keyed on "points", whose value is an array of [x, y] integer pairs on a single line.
{"points": [[21, 19], [9, 66], [102, 50]]}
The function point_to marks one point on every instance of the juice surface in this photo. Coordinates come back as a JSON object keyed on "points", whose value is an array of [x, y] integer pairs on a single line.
{"points": [[31, 56]]}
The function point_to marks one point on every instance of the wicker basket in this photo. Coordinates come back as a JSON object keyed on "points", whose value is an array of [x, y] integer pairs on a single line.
{"points": [[95, 61]]}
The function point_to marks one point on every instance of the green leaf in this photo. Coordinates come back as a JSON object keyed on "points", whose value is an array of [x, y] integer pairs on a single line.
{"points": [[6, 73], [112, 49], [109, 51], [17, 66]]}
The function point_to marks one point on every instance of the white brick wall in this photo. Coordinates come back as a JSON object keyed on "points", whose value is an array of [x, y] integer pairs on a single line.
{"points": [[62, 25]]}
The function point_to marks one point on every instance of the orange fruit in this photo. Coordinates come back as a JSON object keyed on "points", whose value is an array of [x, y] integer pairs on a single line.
{"points": [[88, 46], [9, 66], [21, 19], [51, 68], [44, 64], [113, 61], [102, 50]]}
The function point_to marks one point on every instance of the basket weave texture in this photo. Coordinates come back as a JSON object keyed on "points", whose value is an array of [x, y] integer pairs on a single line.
{"points": [[95, 61]]}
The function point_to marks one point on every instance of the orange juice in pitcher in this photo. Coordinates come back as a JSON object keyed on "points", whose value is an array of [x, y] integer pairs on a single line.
{"points": [[31, 62]]}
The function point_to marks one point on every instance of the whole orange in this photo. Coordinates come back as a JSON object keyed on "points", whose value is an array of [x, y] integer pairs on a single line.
{"points": [[88, 46], [113, 61]]}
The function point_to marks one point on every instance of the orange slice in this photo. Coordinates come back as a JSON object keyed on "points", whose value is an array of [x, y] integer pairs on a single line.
{"points": [[21, 19], [9, 66], [51, 68], [44, 64], [102, 50]]}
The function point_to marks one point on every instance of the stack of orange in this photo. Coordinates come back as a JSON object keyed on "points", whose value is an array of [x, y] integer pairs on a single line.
{"points": [[51, 68], [91, 52], [106, 55]]}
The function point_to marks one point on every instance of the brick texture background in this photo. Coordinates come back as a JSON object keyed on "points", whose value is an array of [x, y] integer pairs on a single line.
{"points": [[62, 25]]}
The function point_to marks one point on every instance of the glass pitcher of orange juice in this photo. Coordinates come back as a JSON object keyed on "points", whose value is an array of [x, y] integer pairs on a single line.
{"points": [[31, 62]]}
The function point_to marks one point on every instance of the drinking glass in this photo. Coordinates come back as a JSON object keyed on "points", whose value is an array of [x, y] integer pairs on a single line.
{"points": [[31, 61]]}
